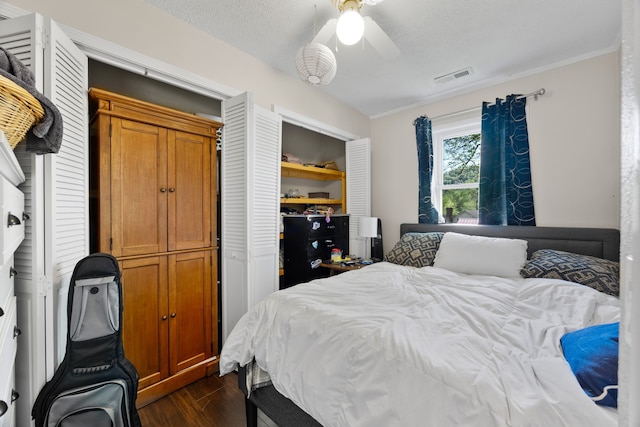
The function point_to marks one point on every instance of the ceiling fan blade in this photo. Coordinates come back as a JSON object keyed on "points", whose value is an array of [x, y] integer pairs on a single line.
{"points": [[379, 39], [327, 31]]}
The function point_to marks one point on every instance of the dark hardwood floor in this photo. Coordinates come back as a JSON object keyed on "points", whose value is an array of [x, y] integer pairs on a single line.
{"points": [[209, 402]]}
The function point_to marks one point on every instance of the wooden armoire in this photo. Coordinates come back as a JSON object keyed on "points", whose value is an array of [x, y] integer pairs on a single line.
{"points": [[153, 206]]}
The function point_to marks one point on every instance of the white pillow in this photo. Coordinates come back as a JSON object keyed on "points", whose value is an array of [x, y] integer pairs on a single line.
{"points": [[490, 256]]}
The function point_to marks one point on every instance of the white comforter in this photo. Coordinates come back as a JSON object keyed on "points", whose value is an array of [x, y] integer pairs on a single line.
{"points": [[399, 346]]}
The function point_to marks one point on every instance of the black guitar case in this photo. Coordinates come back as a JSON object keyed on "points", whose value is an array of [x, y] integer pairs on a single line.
{"points": [[95, 385]]}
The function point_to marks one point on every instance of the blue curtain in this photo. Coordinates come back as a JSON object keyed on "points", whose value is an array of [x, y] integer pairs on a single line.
{"points": [[506, 193], [427, 213]]}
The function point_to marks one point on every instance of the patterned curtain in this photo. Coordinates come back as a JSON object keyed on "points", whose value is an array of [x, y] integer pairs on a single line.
{"points": [[427, 213], [506, 193]]}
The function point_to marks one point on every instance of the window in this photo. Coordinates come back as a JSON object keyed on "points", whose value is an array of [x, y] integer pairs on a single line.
{"points": [[456, 170]]}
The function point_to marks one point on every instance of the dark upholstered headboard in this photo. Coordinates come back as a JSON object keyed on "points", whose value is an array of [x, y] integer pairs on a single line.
{"points": [[599, 242]]}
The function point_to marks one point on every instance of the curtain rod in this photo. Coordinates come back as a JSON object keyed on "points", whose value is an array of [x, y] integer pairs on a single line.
{"points": [[534, 94], [456, 113]]}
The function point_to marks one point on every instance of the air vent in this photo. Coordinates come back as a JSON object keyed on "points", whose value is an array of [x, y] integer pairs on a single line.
{"points": [[454, 76]]}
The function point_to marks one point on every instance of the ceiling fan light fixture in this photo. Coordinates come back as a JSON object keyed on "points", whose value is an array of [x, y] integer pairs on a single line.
{"points": [[316, 64], [350, 27]]}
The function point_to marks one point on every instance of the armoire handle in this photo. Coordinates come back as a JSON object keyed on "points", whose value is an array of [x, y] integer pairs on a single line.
{"points": [[14, 396], [164, 317], [25, 216], [1, 312], [172, 190], [163, 190], [16, 332], [173, 315], [12, 272], [3, 407]]}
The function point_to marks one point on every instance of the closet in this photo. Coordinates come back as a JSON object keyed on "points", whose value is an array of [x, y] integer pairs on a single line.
{"points": [[153, 204], [251, 187]]}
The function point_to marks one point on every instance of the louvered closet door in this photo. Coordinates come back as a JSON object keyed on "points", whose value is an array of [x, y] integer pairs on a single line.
{"points": [[56, 194], [189, 196], [67, 183], [234, 230], [139, 188], [358, 159], [250, 187], [264, 211]]}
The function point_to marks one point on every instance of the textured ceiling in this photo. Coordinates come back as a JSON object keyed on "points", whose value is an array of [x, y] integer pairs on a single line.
{"points": [[498, 39]]}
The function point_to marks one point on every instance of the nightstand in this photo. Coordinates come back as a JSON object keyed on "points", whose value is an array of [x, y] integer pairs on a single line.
{"points": [[337, 268]]}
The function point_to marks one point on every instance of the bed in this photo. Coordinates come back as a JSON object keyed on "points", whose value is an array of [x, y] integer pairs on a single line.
{"points": [[444, 332]]}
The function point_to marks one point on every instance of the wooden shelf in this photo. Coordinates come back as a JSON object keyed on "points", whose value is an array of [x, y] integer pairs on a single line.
{"points": [[294, 170], [308, 201]]}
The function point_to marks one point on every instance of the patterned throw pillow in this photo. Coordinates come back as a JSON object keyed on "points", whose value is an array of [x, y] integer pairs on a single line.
{"points": [[600, 274], [415, 249]]}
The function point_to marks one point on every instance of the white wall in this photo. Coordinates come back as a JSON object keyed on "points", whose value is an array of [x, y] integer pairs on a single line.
{"points": [[147, 30], [574, 132], [574, 127]]}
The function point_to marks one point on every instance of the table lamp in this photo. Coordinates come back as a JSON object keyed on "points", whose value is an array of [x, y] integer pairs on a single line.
{"points": [[368, 228]]}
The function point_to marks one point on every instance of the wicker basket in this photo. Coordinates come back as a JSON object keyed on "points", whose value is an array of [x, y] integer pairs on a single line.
{"points": [[19, 111]]}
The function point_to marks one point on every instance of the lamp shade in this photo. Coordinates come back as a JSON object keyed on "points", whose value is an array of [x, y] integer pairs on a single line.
{"points": [[316, 64], [368, 226]]}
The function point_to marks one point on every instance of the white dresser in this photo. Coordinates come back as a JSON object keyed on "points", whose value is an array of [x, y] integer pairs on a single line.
{"points": [[12, 226]]}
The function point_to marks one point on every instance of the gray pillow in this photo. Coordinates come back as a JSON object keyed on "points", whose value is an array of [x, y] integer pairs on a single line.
{"points": [[415, 249], [597, 273]]}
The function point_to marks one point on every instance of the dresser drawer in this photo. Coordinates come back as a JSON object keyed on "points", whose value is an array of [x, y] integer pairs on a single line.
{"points": [[7, 390], [8, 348], [8, 343], [11, 221], [6, 286]]}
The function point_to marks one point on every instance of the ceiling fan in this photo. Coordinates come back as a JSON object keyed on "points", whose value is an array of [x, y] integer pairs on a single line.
{"points": [[351, 26]]}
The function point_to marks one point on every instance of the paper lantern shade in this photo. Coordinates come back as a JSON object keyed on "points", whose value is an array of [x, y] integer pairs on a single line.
{"points": [[316, 64]]}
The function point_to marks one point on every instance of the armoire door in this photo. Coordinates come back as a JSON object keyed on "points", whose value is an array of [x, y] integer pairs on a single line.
{"points": [[189, 191], [139, 189], [167, 316], [160, 189], [189, 309], [145, 319]]}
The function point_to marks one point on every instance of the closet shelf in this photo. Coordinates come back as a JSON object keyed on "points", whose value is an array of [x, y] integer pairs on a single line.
{"points": [[308, 201], [294, 170]]}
